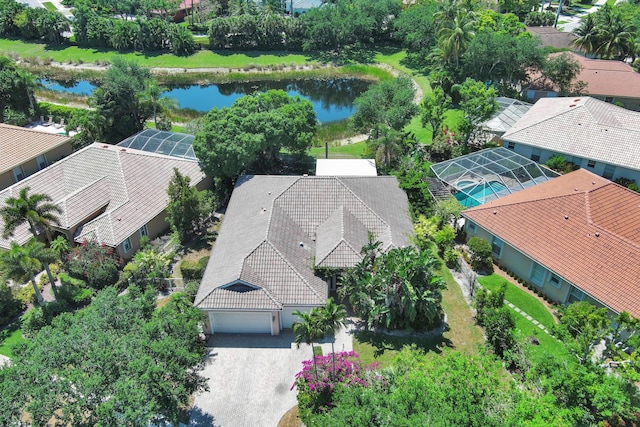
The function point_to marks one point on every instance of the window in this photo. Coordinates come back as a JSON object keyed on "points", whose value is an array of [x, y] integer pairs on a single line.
{"points": [[537, 274], [609, 170], [511, 145], [575, 295], [126, 245], [472, 226], [496, 247], [555, 281], [144, 231], [535, 154], [18, 173], [42, 162], [591, 163]]}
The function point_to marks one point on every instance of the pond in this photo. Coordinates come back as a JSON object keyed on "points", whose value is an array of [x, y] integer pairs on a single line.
{"points": [[332, 99]]}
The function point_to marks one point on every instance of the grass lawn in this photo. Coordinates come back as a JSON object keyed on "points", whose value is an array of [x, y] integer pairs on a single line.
{"points": [[50, 6], [201, 59], [423, 134], [548, 344], [394, 57], [9, 336], [351, 151], [463, 333], [521, 299]]}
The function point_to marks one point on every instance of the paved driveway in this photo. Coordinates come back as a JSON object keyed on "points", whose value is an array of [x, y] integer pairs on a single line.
{"points": [[250, 377]]}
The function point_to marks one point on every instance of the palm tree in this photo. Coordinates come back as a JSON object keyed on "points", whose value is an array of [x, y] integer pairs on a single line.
{"points": [[616, 36], [159, 104], [588, 35], [307, 329], [36, 209], [19, 262], [454, 38], [332, 317]]}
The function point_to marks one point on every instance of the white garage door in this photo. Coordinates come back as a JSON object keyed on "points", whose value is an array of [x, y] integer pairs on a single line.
{"points": [[240, 322], [288, 317]]}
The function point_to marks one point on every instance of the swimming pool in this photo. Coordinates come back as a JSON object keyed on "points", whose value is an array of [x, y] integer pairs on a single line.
{"points": [[464, 183], [478, 195]]}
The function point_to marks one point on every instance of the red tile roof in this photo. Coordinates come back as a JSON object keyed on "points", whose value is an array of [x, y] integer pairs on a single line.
{"points": [[582, 227]]}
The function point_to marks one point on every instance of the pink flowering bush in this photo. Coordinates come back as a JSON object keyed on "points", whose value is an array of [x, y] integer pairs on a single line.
{"points": [[315, 392]]}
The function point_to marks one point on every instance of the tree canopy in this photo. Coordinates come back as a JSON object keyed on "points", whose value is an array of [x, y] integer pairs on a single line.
{"points": [[119, 361]]}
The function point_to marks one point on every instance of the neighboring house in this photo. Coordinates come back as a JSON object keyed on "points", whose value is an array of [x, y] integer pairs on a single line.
{"points": [[278, 230], [107, 193], [24, 152], [609, 80], [346, 167], [509, 112], [576, 237], [551, 37], [593, 134]]}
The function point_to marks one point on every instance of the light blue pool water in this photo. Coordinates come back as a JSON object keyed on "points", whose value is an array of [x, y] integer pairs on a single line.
{"points": [[478, 195], [463, 184]]}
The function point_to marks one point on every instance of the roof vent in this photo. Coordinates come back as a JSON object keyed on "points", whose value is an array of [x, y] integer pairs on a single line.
{"points": [[264, 209], [576, 100], [123, 149], [566, 217], [105, 146], [269, 192], [597, 234], [495, 212], [305, 174], [301, 244], [593, 182], [572, 105], [575, 189]]}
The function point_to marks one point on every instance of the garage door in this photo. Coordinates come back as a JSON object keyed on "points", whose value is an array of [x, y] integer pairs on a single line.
{"points": [[288, 317], [240, 322]]}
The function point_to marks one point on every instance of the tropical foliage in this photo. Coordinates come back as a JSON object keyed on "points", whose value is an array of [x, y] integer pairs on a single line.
{"points": [[188, 207], [607, 33], [34, 209], [119, 361], [395, 290]]}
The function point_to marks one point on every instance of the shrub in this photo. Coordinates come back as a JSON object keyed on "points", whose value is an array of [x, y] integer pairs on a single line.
{"points": [[193, 270], [629, 183], [480, 254], [9, 304], [557, 163], [539, 19], [75, 296], [102, 275], [191, 289], [444, 238], [425, 229], [65, 279], [86, 256], [39, 317], [451, 257], [26, 294]]}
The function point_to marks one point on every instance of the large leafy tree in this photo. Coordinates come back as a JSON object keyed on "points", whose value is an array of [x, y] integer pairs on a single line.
{"points": [[382, 112], [250, 134], [188, 207], [118, 99], [119, 361], [563, 70], [395, 290], [35, 209]]}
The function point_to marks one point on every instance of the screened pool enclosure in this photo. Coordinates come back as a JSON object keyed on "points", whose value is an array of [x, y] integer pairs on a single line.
{"points": [[486, 175], [162, 142]]}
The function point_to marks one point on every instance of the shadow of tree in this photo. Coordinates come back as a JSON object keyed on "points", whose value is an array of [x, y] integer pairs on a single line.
{"points": [[199, 418], [385, 342]]}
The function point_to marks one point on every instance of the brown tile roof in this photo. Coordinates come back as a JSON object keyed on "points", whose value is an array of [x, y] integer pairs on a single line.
{"points": [[582, 227], [550, 36], [584, 127], [129, 185], [268, 237], [19, 145]]}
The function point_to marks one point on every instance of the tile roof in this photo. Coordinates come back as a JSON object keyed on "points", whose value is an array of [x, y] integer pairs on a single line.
{"points": [[19, 145], [129, 186], [580, 226], [584, 127], [276, 227], [550, 36]]}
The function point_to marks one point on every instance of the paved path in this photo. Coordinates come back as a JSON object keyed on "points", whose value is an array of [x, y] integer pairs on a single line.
{"points": [[573, 21], [250, 378]]}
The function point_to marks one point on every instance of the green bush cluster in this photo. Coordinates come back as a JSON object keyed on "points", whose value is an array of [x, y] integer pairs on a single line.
{"points": [[481, 259], [193, 270], [540, 19], [41, 316], [629, 183], [9, 304]]}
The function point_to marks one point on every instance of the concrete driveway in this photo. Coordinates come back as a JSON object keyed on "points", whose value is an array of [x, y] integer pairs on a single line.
{"points": [[250, 377]]}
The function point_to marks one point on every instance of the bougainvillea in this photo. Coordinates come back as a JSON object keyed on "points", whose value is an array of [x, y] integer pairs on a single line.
{"points": [[314, 392]]}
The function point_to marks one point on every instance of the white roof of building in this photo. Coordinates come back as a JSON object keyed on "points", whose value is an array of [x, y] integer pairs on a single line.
{"points": [[581, 126], [346, 167]]}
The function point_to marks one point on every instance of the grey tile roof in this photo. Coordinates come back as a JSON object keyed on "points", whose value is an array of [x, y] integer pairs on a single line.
{"points": [[268, 236], [129, 185], [234, 297], [583, 127]]}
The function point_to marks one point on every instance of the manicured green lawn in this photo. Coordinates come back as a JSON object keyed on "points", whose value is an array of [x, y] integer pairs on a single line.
{"points": [[201, 59], [548, 344], [423, 134], [8, 337], [49, 6], [393, 58], [521, 299], [351, 151]]}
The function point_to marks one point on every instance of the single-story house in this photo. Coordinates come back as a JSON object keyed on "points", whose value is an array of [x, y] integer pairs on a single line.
{"points": [[608, 80], [346, 167], [593, 134], [24, 152], [110, 194], [576, 237], [280, 233]]}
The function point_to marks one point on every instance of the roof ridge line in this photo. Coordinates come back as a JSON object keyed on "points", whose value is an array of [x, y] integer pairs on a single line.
{"points": [[363, 203], [522, 202], [294, 269]]}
